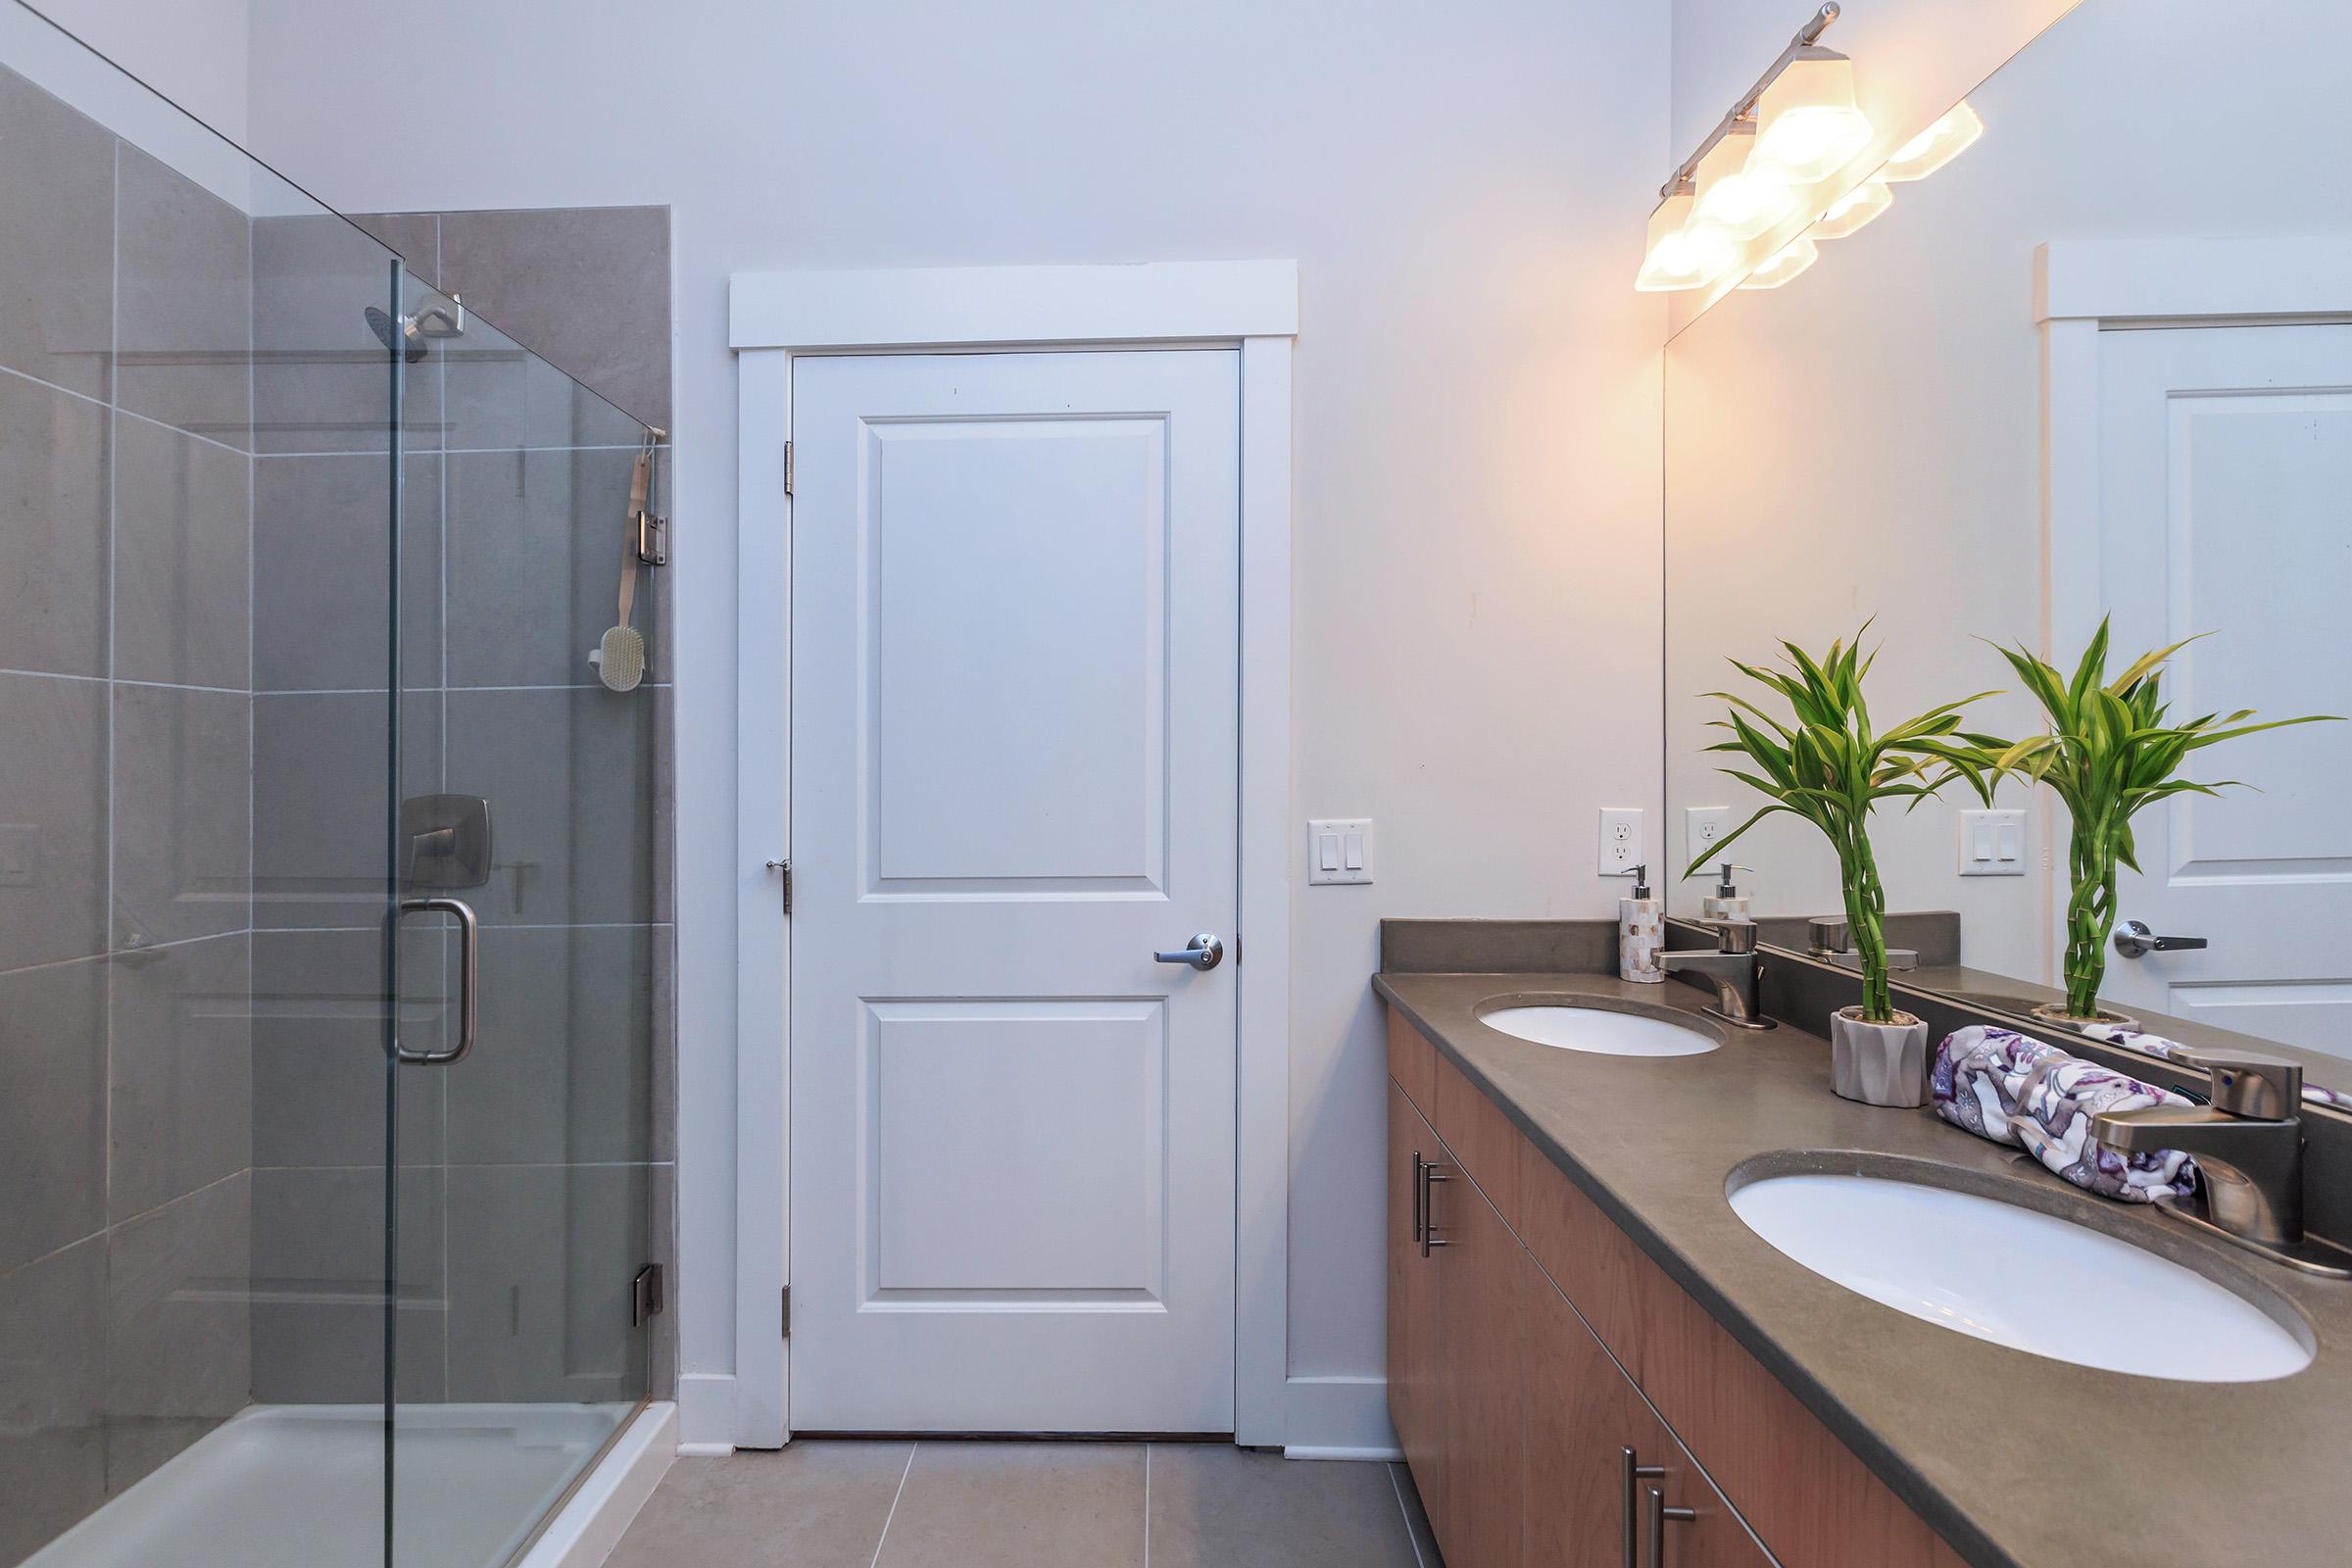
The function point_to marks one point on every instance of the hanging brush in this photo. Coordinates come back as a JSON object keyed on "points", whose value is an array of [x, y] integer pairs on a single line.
{"points": [[619, 659]]}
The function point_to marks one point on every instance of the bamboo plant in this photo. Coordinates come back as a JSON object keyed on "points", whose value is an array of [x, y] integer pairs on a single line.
{"points": [[1826, 763], [2109, 752]]}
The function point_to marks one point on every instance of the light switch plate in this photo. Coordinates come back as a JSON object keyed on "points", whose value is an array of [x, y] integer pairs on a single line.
{"points": [[1704, 827], [1621, 840], [1993, 844], [1338, 850]]}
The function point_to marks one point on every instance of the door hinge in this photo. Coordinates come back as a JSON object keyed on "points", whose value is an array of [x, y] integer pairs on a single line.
{"points": [[788, 467], [645, 1295], [783, 871], [787, 1305]]}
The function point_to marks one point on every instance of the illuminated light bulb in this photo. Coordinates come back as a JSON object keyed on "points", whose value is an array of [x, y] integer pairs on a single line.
{"points": [[1935, 146], [1680, 255], [1734, 195], [1853, 211], [1789, 261], [1807, 128]]}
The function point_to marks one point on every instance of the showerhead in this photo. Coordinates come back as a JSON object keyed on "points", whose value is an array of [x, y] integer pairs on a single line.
{"points": [[408, 335], [398, 337]]}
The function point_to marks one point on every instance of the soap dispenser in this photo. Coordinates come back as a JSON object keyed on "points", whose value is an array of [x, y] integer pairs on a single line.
{"points": [[1726, 903], [1641, 933]]}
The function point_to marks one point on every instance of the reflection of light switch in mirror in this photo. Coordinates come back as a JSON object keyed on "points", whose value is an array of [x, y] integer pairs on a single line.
{"points": [[1993, 844], [20, 855], [1338, 850], [1704, 827]]}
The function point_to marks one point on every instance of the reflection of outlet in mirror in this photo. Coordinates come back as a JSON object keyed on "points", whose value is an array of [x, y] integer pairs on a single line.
{"points": [[1620, 840], [1993, 844], [1338, 850], [1704, 827], [19, 854]]}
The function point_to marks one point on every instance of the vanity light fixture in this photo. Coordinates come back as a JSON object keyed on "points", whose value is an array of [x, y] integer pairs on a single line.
{"points": [[1794, 127], [1935, 146], [1785, 263], [1852, 211], [1680, 255]]}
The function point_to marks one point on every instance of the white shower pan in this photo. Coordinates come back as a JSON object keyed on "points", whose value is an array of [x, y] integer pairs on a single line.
{"points": [[301, 1485]]}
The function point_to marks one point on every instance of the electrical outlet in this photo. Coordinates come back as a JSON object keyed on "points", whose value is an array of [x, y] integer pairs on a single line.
{"points": [[1704, 827], [1338, 850], [1620, 840], [1993, 844]]}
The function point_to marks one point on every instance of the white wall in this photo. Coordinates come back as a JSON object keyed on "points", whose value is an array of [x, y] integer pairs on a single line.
{"points": [[193, 52], [1477, 444]]}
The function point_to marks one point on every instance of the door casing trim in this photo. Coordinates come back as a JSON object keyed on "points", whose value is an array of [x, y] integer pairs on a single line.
{"points": [[775, 317]]}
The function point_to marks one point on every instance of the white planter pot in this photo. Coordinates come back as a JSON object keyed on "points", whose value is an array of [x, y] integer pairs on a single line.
{"points": [[1879, 1064]]}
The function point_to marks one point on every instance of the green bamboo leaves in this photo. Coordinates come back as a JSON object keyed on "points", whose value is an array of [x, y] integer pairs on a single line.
{"points": [[1826, 763], [2109, 752]]}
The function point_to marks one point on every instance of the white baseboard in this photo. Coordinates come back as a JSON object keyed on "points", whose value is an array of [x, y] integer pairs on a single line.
{"points": [[1338, 1418], [707, 1410], [592, 1523]]}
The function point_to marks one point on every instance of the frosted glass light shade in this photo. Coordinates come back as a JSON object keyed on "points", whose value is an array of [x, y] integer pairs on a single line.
{"points": [[1735, 194], [1807, 128], [1679, 254], [1789, 261], [1853, 211], [1935, 146]]}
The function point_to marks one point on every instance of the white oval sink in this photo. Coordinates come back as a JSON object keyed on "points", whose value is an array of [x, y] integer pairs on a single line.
{"points": [[2027, 1280], [1594, 1029]]}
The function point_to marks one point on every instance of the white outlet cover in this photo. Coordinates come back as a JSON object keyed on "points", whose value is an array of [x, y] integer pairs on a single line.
{"points": [[1622, 839], [1704, 827], [1338, 850], [1993, 844]]}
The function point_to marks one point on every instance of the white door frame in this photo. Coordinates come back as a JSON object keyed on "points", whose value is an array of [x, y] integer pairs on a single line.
{"points": [[2083, 287], [1252, 306]]}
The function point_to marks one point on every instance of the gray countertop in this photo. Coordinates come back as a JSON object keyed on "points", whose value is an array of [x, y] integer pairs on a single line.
{"points": [[2018, 1460]]}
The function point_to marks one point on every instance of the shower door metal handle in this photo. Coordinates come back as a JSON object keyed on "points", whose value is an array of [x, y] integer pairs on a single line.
{"points": [[469, 968]]}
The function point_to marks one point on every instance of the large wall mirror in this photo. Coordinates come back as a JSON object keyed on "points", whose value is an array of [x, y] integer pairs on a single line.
{"points": [[2097, 367]]}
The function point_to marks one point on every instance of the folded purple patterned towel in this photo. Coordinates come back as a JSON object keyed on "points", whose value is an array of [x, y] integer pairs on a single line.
{"points": [[2116, 1034], [2012, 1089]]}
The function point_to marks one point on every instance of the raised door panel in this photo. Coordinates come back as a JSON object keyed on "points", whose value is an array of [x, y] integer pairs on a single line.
{"points": [[1412, 1304], [1481, 1376]]}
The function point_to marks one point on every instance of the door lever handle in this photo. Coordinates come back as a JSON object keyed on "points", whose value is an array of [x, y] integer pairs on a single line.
{"points": [[2133, 940], [1203, 952]]}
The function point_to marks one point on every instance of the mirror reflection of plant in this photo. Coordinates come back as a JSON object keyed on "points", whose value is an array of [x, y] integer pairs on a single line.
{"points": [[1827, 764], [2109, 752]]}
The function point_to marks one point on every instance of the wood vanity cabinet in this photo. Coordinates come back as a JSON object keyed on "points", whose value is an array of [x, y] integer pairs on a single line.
{"points": [[1531, 1344]]}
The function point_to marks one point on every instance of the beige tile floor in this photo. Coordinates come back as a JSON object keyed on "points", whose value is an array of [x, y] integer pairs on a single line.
{"points": [[843, 1504]]}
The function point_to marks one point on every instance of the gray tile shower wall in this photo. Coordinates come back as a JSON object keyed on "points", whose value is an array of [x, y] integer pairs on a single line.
{"points": [[126, 746]]}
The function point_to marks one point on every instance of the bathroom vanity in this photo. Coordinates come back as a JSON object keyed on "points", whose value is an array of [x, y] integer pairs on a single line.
{"points": [[1593, 1360]]}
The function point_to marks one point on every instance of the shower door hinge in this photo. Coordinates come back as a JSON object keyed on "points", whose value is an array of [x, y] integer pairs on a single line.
{"points": [[645, 1295], [788, 467], [787, 1312]]}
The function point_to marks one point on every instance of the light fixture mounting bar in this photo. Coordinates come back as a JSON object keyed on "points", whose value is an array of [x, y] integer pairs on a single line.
{"points": [[1805, 37]]}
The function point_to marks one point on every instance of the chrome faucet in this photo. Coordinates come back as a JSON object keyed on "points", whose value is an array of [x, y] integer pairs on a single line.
{"points": [[2248, 1142], [1733, 968]]}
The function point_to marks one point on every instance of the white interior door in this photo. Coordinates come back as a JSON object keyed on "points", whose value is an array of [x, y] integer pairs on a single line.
{"points": [[2225, 506], [1015, 607]]}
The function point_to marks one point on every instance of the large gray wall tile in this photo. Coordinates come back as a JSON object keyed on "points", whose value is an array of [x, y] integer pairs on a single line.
{"points": [[414, 237], [53, 819], [321, 571], [53, 528], [540, 1264], [57, 246], [318, 1286], [52, 1108], [320, 381], [178, 1333], [183, 1070], [501, 395], [52, 1397], [184, 302], [564, 1072], [535, 542], [570, 779], [183, 559], [320, 1080], [587, 287], [183, 845], [319, 803]]}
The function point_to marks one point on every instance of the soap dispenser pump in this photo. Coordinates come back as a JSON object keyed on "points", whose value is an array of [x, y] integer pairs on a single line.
{"points": [[1641, 933], [1726, 902]]}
